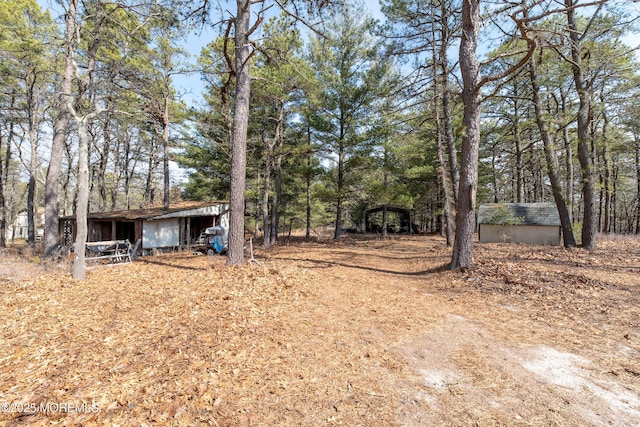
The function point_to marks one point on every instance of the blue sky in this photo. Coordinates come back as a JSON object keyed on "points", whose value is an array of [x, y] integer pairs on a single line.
{"points": [[190, 86]]}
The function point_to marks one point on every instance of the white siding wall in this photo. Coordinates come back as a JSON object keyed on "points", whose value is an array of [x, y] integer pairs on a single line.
{"points": [[161, 233], [532, 234], [224, 219]]}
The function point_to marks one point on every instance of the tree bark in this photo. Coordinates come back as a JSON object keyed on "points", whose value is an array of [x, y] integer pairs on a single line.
{"points": [[266, 226], [5, 174], [568, 159], [338, 231], [607, 187], [637, 158], [519, 153], [165, 149], [385, 183], [32, 111], [454, 172], [79, 265], [589, 223], [552, 160], [68, 202], [235, 254], [308, 185], [446, 105], [3, 209], [462, 256], [150, 187], [271, 222], [606, 197], [446, 227], [86, 84], [99, 171], [31, 194], [277, 200], [52, 184], [448, 188]]}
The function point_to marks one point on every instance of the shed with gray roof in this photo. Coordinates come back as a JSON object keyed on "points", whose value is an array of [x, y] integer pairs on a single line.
{"points": [[533, 223], [156, 227]]}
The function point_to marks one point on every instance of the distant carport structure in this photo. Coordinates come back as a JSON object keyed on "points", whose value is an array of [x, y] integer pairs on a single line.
{"points": [[398, 219]]}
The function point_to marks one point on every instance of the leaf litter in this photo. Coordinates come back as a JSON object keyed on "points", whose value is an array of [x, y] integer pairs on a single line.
{"points": [[360, 332]]}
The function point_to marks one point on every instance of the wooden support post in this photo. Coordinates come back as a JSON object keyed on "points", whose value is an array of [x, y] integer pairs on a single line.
{"points": [[188, 236]]}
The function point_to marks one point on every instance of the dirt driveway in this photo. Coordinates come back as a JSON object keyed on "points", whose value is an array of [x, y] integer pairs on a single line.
{"points": [[530, 336], [354, 333]]}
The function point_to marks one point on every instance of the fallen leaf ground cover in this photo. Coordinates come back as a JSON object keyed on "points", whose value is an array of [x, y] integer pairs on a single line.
{"points": [[322, 333]]}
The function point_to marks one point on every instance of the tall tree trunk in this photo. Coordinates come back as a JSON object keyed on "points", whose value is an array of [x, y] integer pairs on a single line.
{"points": [[338, 231], [589, 223], [494, 175], [118, 172], [165, 159], [152, 170], [615, 221], [385, 183], [519, 193], [470, 69], [79, 266], [606, 187], [239, 135], [552, 159], [446, 105], [266, 227], [637, 158], [68, 201], [308, 185], [83, 123], [31, 194], [600, 187], [32, 108], [568, 156], [271, 222], [5, 174], [60, 125], [277, 199], [129, 170], [517, 137], [447, 220], [3, 209], [606, 163], [100, 177], [256, 223], [447, 187], [454, 172]]}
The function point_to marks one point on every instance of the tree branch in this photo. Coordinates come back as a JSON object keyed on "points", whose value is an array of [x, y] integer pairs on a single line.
{"points": [[298, 18], [532, 47]]}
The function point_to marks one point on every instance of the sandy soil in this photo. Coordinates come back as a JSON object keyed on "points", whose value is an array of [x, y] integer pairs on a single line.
{"points": [[358, 332]]}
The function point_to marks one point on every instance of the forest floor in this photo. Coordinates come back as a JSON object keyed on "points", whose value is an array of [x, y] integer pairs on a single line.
{"points": [[361, 332]]}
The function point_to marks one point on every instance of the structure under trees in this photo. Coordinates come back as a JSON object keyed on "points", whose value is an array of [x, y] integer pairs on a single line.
{"points": [[313, 133]]}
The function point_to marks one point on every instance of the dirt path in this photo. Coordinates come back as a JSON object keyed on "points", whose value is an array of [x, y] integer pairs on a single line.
{"points": [[548, 343]]}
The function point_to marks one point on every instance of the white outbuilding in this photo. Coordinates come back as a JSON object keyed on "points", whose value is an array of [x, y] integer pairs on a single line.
{"points": [[532, 223]]}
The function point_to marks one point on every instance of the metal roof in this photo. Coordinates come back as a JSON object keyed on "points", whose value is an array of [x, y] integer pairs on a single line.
{"points": [[175, 210], [519, 213]]}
